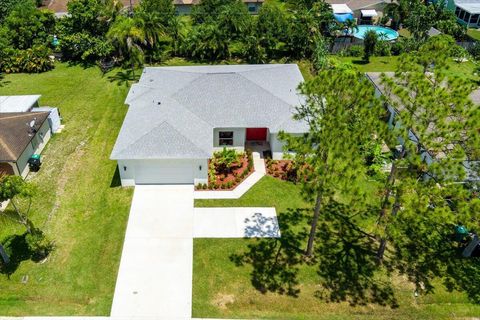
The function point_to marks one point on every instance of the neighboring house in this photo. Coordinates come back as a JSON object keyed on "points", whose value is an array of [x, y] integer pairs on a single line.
{"points": [[467, 12], [22, 134], [365, 11], [178, 116], [185, 6], [28, 103], [394, 120]]}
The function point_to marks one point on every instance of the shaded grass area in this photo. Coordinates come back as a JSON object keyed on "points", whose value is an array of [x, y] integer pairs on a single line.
{"points": [[224, 287], [77, 204]]}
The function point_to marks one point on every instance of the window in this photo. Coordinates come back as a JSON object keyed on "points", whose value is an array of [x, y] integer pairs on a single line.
{"points": [[252, 8], [474, 18], [225, 138], [457, 11]]}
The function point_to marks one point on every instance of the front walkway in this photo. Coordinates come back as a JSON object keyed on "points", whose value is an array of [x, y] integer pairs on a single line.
{"points": [[155, 275], [243, 187]]}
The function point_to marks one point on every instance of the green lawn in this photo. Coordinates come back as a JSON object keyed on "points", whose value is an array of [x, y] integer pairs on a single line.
{"points": [[474, 34], [222, 289], [77, 204], [389, 64]]}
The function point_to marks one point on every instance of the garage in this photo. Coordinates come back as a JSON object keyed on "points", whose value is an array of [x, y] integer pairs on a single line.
{"points": [[164, 172]]}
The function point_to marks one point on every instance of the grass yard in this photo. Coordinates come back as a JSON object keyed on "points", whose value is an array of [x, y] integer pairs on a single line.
{"points": [[77, 204], [389, 64], [223, 290], [376, 64], [474, 34]]}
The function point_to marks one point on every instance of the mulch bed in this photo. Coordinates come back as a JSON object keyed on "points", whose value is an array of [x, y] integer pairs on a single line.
{"points": [[281, 169], [240, 171]]}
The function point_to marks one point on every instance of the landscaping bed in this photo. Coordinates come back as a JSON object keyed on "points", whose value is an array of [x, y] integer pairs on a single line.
{"points": [[281, 169], [227, 169]]}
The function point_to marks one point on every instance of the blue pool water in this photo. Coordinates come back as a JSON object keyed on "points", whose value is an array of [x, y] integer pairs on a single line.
{"points": [[382, 32]]}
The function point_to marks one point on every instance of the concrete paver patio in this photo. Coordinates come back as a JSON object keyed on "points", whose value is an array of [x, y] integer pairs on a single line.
{"points": [[248, 222]]}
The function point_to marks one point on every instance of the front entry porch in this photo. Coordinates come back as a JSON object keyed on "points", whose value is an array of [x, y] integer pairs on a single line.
{"points": [[256, 140], [261, 147]]}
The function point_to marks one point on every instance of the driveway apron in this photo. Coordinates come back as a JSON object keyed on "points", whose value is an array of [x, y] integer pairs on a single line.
{"points": [[155, 275]]}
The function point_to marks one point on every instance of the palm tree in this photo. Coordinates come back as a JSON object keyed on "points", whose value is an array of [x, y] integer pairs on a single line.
{"points": [[398, 12], [350, 25], [127, 34]]}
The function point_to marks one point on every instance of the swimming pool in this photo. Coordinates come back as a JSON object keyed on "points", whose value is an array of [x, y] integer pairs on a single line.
{"points": [[382, 32]]}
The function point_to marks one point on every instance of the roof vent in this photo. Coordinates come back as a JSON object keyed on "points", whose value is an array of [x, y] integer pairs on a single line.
{"points": [[31, 127]]}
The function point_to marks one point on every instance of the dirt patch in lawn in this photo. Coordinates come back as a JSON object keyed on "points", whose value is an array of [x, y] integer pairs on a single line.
{"points": [[221, 300]]}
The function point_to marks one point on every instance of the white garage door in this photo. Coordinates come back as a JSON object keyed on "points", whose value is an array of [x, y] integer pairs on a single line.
{"points": [[164, 172]]}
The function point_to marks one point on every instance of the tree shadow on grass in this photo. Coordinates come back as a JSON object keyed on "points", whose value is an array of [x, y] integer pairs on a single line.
{"points": [[346, 258], [3, 82], [360, 62], [17, 250], [124, 78], [276, 261]]}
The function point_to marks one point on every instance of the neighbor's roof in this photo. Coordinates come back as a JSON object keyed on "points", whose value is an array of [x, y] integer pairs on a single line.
{"points": [[16, 134], [341, 9], [357, 4], [472, 6], [433, 32], [173, 110], [17, 103], [375, 77]]}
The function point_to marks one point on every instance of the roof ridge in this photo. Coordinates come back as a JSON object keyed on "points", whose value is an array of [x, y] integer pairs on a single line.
{"points": [[7, 148], [264, 89], [193, 143], [156, 127], [185, 108], [16, 115]]}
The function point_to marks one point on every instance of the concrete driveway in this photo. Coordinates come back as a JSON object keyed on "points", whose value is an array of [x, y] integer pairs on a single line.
{"points": [[155, 275]]}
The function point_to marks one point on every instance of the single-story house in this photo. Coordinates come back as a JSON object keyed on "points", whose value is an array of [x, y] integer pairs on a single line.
{"points": [[467, 12], [472, 166], [365, 11], [185, 6], [22, 134], [29, 103], [179, 116]]}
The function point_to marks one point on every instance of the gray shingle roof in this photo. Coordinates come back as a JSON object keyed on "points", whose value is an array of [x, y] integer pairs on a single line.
{"points": [[173, 110]]}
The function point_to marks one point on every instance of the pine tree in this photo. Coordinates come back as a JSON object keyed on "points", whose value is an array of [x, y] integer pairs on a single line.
{"points": [[342, 114]]}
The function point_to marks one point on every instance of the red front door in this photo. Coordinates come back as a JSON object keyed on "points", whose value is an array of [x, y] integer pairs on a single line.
{"points": [[257, 134]]}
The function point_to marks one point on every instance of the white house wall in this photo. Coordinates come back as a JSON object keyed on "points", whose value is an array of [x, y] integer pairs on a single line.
{"points": [[239, 135], [22, 161], [37, 145], [130, 170], [277, 146]]}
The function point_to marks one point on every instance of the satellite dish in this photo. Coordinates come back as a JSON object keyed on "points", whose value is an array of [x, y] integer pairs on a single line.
{"points": [[32, 123]]}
